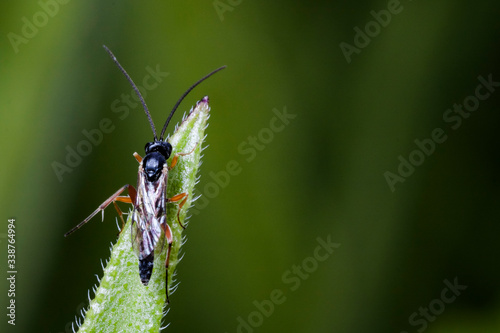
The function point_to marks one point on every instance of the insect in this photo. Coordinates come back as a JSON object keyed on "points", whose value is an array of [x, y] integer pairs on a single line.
{"points": [[149, 200]]}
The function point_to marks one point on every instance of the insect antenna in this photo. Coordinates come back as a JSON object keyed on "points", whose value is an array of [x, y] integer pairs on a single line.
{"points": [[135, 89], [184, 95]]}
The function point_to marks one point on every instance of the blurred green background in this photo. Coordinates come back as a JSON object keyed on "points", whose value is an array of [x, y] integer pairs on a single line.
{"points": [[322, 174]]}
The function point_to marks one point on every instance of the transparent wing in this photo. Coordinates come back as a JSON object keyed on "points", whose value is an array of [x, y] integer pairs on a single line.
{"points": [[149, 214]]}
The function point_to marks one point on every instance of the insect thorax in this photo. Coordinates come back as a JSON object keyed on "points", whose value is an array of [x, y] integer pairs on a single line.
{"points": [[157, 153]]}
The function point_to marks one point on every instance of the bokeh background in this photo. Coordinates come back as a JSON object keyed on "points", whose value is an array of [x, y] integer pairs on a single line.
{"points": [[320, 175]]}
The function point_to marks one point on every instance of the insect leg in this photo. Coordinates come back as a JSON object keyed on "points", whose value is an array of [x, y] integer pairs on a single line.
{"points": [[168, 237], [138, 157], [126, 199], [176, 157], [115, 197], [178, 197], [182, 196]]}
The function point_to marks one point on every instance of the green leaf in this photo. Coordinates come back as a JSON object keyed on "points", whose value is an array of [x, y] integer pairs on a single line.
{"points": [[122, 303]]}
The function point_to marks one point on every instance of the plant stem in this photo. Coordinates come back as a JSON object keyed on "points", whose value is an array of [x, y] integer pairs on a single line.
{"points": [[121, 302]]}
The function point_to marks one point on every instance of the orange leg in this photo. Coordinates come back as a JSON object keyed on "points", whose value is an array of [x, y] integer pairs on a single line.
{"points": [[115, 197], [138, 157], [182, 196], [178, 197], [176, 157], [126, 199]]}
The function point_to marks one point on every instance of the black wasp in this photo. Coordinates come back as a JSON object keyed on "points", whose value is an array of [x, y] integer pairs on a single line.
{"points": [[149, 218]]}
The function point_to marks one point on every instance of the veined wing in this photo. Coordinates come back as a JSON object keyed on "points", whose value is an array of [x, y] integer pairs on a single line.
{"points": [[149, 215]]}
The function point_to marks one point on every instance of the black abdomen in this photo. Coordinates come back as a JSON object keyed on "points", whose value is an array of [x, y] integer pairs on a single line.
{"points": [[146, 268]]}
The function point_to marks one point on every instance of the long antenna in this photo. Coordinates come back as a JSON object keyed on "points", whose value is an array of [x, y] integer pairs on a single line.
{"points": [[135, 89], [184, 95]]}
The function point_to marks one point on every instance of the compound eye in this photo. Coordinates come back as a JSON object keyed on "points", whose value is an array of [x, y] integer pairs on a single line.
{"points": [[168, 148], [148, 146]]}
